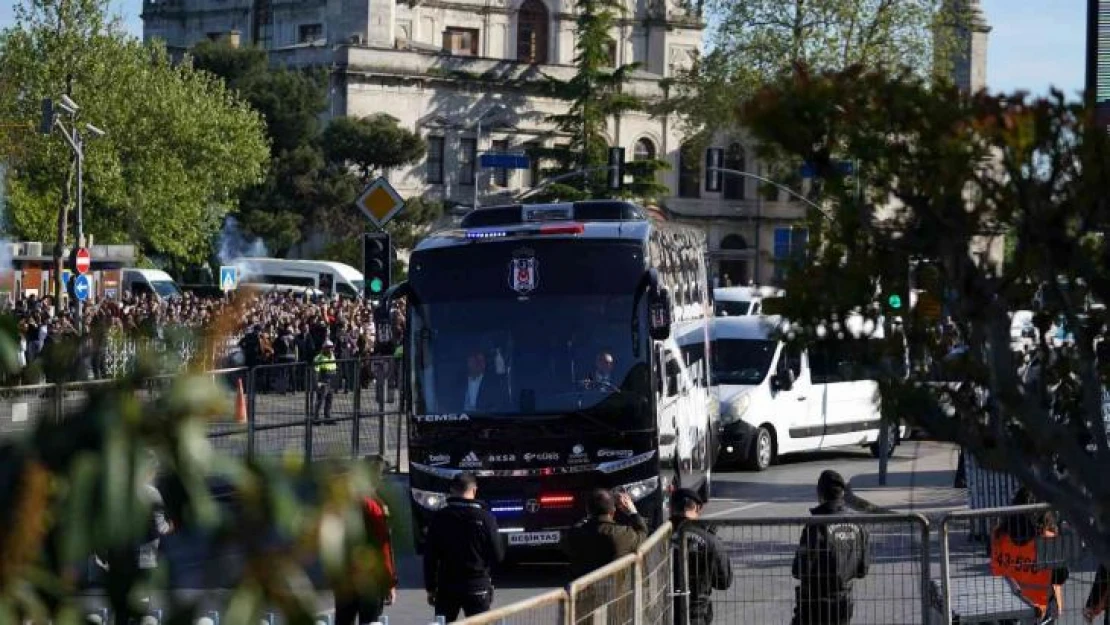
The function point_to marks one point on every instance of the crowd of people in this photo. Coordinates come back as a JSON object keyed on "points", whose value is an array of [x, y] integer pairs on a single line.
{"points": [[271, 328]]}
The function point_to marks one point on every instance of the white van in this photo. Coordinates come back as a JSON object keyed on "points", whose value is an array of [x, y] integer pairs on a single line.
{"points": [[777, 399], [150, 281], [325, 276], [737, 301]]}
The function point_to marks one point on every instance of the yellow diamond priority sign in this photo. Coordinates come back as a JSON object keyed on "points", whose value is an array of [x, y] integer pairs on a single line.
{"points": [[380, 202]]}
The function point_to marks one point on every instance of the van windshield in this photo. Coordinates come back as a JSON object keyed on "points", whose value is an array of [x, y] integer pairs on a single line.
{"points": [[733, 308], [165, 288], [742, 361]]}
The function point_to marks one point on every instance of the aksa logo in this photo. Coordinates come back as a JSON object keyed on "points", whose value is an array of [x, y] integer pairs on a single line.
{"points": [[578, 455], [441, 418], [439, 459], [501, 458], [470, 460], [614, 453], [544, 456]]}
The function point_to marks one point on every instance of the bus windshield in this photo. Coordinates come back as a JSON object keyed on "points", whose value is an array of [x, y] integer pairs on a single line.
{"points": [[742, 361], [541, 356]]}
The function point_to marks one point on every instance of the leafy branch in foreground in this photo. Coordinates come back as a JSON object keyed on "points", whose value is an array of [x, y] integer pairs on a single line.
{"points": [[949, 178]]}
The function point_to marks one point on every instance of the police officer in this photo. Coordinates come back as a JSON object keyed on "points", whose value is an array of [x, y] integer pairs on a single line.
{"points": [[325, 367], [829, 557], [462, 546], [707, 566]]}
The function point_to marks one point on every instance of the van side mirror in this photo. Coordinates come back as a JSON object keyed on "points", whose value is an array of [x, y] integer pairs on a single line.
{"points": [[659, 313]]}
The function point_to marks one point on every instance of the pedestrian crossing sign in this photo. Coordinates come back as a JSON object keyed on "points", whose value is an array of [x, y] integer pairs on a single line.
{"points": [[229, 279]]}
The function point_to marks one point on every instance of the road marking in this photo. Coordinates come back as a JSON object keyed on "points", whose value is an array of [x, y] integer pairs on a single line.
{"points": [[736, 509]]}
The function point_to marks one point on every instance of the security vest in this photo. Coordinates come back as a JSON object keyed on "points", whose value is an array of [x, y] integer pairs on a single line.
{"points": [[324, 364], [1018, 563]]}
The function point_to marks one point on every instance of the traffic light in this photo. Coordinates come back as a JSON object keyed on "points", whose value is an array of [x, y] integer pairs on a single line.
{"points": [[894, 285], [377, 263], [616, 169]]}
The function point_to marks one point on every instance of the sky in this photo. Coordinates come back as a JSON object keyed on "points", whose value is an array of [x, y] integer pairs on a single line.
{"points": [[1034, 44]]}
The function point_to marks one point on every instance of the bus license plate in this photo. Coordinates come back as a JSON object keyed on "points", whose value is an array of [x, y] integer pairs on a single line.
{"points": [[529, 539]]}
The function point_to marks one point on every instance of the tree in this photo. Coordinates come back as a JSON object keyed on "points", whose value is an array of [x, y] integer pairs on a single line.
{"points": [[947, 173], [595, 95], [371, 144], [71, 484], [178, 148], [758, 41]]}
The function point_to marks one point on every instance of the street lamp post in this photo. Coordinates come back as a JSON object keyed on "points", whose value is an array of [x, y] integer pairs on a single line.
{"points": [[76, 141], [496, 108]]}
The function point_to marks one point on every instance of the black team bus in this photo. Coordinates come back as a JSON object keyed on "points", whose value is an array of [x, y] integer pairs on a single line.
{"points": [[541, 355]]}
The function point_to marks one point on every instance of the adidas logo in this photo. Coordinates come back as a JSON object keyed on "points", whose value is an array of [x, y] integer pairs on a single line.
{"points": [[470, 460]]}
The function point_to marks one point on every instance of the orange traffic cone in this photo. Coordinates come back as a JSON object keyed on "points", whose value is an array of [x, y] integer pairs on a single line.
{"points": [[240, 404]]}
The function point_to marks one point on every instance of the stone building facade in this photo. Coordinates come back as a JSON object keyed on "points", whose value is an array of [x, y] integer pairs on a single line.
{"points": [[462, 74]]}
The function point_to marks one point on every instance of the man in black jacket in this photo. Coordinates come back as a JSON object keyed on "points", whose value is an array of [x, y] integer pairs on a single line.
{"points": [[707, 566], [462, 546], [604, 535], [829, 557]]}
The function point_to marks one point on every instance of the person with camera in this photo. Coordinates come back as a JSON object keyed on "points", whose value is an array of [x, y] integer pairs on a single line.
{"points": [[613, 529]]}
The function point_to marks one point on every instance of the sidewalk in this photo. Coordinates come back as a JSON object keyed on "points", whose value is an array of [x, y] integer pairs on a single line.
{"points": [[919, 479]]}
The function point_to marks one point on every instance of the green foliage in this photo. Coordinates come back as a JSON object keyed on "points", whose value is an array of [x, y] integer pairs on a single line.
{"points": [[76, 482], [595, 95], [757, 41], [311, 186], [371, 144], [404, 230], [178, 148], [948, 177]]}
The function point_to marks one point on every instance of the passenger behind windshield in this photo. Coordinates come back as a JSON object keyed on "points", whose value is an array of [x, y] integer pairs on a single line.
{"points": [[482, 390]]}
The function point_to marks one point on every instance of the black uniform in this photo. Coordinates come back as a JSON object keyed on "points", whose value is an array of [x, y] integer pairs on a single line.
{"points": [[829, 558], [707, 567], [462, 546], [593, 543]]}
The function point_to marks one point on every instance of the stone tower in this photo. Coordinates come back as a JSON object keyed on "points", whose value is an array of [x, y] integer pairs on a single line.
{"points": [[969, 58]]}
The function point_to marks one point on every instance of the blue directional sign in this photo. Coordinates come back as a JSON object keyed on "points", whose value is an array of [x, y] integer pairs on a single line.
{"points": [[846, 168], [229, 278], [82, 287], [505, 161]]}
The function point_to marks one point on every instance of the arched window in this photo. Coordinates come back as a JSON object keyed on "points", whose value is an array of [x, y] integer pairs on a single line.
{"points": [[531, 32], [644, 150], [734, 185], [734, 242]]}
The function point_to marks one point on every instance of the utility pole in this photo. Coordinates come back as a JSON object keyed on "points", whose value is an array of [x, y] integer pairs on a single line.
{"points": [[76, 141]]}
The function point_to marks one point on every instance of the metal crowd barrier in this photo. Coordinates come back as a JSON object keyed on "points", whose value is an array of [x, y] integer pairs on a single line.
{"points": [[762, 554], [550, 608], [966, 591], [287, 410]]}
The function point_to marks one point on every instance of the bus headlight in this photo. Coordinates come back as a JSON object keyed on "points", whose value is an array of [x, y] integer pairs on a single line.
{"points": [[737, 408], [641, 489], [429, 500]]}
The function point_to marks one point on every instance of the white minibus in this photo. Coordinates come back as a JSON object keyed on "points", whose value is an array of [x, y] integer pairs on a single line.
{"points": [[325, 276]]}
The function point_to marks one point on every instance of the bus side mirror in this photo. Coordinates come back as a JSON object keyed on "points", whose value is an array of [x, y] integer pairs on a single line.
{"points": [[659, 311]]}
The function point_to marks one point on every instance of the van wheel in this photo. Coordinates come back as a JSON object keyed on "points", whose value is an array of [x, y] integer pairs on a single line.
{"points": [[762, 452], [893, 431]]}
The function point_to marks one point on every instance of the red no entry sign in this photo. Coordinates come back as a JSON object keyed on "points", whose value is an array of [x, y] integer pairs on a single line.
{"points": [[82, 260]]}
